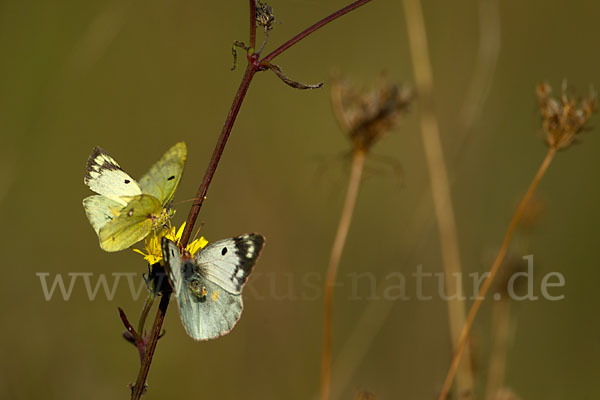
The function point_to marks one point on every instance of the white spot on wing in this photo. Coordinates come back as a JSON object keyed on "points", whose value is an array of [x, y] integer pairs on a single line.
{"points": [[250, 251]]}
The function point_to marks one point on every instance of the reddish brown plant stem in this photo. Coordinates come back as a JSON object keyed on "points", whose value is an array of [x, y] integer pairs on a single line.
{"points": [[251, 69], [313, 28], [358, 162], [254, 65], [140, 382], [252, 23]]}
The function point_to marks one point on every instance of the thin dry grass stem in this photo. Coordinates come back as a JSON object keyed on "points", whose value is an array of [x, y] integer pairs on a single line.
{"points": [[439, 183], [485, 68], [501, 328], [376, 313], [493, 271], [562, 120], [358, 162], [365, 117], [489, 48]]}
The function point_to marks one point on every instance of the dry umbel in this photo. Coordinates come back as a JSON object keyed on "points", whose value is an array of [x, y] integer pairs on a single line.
{"points": [[365, 116], [565, 117]]}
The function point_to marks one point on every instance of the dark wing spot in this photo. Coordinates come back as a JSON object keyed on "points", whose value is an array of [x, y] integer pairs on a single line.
{"points": [[250, 244], [171, 178], [127, 181], [224, 251]]}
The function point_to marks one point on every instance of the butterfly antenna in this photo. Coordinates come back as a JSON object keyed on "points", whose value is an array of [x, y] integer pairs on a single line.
{"points": [[184, 201]]}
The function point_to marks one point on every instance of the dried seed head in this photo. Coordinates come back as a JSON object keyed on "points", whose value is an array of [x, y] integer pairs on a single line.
{"points": [[366, 116], [565, 117], [264, 15]]}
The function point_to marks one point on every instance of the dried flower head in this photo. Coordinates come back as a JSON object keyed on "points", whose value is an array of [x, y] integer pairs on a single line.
{"points": [[565, 117], [366, 116], [264, 15]]}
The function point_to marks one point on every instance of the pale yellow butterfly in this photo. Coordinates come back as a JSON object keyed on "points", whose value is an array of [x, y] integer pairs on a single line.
{"points": [[125, 211]]}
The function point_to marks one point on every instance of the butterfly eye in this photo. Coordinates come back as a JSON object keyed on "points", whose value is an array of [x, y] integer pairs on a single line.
{"points": [[130, 213], [224, 251]]}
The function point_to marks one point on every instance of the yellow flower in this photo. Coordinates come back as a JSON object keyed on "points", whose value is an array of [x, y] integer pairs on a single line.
{"points": [[152, 244]]}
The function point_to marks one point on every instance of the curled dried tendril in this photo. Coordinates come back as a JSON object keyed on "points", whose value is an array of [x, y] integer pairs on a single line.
{"points": [[290, 82]]}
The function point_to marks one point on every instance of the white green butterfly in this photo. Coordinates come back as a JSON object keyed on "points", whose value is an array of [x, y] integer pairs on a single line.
{"points": [[125, 211], [208, 287]]}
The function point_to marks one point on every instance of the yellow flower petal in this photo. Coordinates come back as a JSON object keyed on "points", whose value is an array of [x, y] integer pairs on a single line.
{"points": [[180, 232], [153, 247], [196, 245]]}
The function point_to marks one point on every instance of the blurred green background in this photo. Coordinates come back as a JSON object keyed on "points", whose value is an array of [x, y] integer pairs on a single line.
{"points": [[135, 77]]}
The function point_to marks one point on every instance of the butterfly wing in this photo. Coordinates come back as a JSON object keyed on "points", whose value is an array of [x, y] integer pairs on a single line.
{"points": [[100, 210], [106, 177], [173, 264], [210, 315], [133, 223], [206, 310], [164, 176], [228, 262]]}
